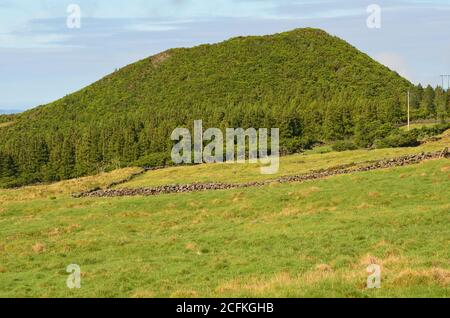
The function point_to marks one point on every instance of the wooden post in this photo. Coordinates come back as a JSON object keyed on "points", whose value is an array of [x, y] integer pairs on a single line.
{"points": [[408, 110]]}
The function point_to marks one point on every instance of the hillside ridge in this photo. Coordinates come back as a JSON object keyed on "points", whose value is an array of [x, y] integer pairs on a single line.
{"points": [[311, 85]]}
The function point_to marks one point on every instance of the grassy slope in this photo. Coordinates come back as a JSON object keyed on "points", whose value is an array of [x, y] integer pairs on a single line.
{"points": [[309, 239], [236, 70], [289, 165], [284, 80], [65, 188]]}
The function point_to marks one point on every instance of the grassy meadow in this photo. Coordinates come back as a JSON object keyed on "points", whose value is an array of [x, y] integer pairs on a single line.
{"points": [[312, 239], [289, 165]]}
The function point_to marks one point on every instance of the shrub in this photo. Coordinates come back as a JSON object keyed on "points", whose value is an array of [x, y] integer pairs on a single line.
{"points": [[344, 146], [398, 139], [298, 144], [154, 160], [427, 132]]}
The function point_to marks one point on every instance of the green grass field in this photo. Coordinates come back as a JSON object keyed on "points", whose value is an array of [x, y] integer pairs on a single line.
{"points": [[289, 165], [312, 239]]}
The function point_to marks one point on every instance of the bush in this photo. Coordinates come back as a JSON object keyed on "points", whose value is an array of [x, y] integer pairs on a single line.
{"points": [[366, 133], [298, 144], [397, 140], [154, 160], [344, 146], [6, 118], [427, 132]]}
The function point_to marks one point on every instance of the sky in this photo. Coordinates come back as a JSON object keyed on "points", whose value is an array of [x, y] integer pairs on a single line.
{"points": [[43, 57]]}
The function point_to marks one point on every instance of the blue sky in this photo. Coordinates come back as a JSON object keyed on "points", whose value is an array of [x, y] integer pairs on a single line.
{"points": [[42, 60]]}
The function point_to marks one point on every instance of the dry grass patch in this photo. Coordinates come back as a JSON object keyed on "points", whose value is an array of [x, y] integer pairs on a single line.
{"points": [[368, 259], [194, 204], [184, 294], [216, 202], [54, 232], [238, 197], [192, 247], [311, 190], [143, 294], [290, 211], [60, 231], [392, 261], [303, 194], [445, 169], [364, 206], [7, 124], [160, 57], [258, 287], [38, 248], [324, 268], [134, 214], [411, 277], [64, 188], [255, 285]]}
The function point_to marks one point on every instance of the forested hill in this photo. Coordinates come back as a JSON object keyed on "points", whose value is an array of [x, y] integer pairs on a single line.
{"points": [[312, 85]]}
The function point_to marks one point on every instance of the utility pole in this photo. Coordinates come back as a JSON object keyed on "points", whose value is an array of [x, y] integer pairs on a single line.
{"points": [[409, 110], [445, 91]]}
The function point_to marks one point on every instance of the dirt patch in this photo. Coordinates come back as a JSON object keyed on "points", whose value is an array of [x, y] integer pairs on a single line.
{"points": [[38, 248], [159, 58]]}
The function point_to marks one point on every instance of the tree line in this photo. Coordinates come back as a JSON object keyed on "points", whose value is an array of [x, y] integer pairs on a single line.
{"points": [[133, 140], [313, 86]]}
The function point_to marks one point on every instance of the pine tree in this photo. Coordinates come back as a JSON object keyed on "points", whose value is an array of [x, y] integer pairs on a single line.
{"points": [[439, 102], [427, 107]]}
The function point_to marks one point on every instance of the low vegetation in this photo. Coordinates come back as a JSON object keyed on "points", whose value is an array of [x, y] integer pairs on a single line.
{"points": [[312, 239], [289, 165], [344, 145], [334, 105], [311, 85]]}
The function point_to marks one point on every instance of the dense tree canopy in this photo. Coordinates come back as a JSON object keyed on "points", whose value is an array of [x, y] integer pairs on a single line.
{"points": [[311, 85]]}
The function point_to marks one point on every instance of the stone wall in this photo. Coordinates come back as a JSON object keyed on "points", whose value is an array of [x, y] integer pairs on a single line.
{"points": [[314, 175]]}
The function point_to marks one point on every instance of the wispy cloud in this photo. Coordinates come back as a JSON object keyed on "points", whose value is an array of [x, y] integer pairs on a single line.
{"points": [[47, 60], [31, 23], [32, 41]]}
